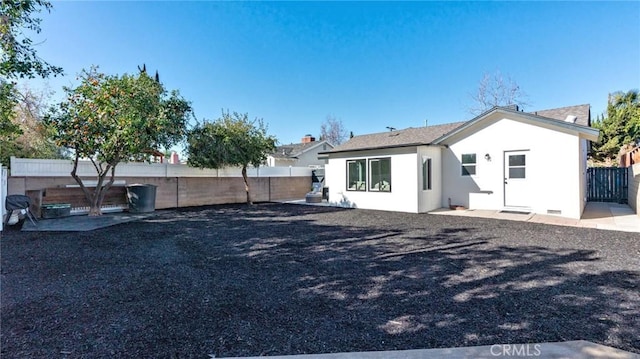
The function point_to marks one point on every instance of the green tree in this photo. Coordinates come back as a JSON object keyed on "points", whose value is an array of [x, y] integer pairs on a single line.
{"points": [[30, 139], [231, 140], [620, 125], [8, 100], [112, 119], [19, 58]]}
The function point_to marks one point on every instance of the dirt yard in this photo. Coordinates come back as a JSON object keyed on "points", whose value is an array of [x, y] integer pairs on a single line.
{"points": [[279, 279]]}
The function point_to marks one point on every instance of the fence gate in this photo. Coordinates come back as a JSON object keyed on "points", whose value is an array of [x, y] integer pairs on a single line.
{"points": [[607, 184]]}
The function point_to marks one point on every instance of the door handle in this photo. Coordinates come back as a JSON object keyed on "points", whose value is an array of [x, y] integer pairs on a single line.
{"points": [[505, 181]]}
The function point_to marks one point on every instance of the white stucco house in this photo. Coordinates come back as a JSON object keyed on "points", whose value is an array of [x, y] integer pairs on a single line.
{"points": [[304, 154], [503, 159]]}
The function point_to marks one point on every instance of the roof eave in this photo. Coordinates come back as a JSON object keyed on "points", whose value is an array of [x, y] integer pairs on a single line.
{"points": [[377, 148], [586, 132], [467, 125], [316, 144], [283, 158], [591, 134]]}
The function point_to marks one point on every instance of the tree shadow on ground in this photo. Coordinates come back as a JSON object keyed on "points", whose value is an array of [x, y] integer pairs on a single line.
{"points": [[278, 279]]}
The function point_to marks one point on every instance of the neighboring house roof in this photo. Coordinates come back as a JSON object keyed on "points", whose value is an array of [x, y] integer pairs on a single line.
{"points": [[292, 151], [582, 112], [439, 133], [400, 138]]}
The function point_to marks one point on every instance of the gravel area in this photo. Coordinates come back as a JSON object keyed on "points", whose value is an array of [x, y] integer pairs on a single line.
{"points": [[276, 279]]}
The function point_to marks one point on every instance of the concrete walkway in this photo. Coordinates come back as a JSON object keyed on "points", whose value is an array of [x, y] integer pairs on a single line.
{"points": [[578, 349], [600, 215], [612, 216]]}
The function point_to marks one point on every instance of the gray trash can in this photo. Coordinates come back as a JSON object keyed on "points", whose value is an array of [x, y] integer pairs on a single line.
{"points": [[141, 198]]}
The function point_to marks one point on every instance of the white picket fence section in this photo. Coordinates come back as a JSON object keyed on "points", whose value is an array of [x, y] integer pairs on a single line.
{"points": [[3, 193], [29, 167]]}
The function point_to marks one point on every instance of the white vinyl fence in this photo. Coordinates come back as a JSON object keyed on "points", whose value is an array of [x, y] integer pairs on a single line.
{"points": [[634, 187], [27, 167], [3, 193]]}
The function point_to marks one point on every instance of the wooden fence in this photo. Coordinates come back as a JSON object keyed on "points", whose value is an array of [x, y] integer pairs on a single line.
{"points": [[630, 158], [607, 184]]}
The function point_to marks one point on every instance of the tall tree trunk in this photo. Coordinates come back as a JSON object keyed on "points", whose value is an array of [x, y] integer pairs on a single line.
{"points": [[101, 191], [92, 198], [94, 209], [246, 184]]}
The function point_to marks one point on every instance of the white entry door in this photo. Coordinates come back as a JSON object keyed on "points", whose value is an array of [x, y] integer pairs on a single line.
{"points": [[516, 190]]}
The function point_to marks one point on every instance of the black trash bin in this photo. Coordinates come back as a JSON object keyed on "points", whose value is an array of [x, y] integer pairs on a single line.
{"points": [[141, 198], [325, 193]]}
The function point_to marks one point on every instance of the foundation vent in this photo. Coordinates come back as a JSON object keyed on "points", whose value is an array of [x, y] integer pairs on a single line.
{"points": [[554, 211]]}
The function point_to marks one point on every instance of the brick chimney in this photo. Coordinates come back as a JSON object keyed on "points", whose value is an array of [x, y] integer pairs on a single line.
{"points": [[308, 139], [174, 159]]}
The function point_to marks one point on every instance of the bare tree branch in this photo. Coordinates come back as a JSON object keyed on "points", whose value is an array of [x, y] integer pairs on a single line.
{"points": [[333, 131], [497, 90]]}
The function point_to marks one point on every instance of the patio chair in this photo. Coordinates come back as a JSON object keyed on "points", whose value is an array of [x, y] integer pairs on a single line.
{"points": [[19, 202]]}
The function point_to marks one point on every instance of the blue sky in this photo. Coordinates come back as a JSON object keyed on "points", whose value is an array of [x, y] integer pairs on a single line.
{"points": [[370, 65]]}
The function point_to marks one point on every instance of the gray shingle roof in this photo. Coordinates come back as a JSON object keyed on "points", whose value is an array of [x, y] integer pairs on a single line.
{"points": [[581, 111], [425, 135], [293, 150], [400, 138]]}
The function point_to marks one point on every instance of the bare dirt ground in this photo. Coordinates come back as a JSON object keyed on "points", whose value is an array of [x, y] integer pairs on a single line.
{"points": [[278, 279]]}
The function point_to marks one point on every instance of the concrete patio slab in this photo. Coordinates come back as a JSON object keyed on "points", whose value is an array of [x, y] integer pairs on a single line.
{"points": [[600, 215], [322, 203], [578, 349], [82, 223]]}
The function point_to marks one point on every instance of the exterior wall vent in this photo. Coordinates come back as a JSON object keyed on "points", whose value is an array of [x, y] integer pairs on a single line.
{"points": [[554, 211]]}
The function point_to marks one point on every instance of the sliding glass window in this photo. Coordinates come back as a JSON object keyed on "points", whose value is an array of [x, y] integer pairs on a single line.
{"points": [[357, 175], [380, 174]]}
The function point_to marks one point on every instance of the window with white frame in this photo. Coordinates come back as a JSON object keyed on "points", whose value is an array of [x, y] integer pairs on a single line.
{"points": [[357, 175], [426, 173], [468, 164], [380, 174], [517, 166]]}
